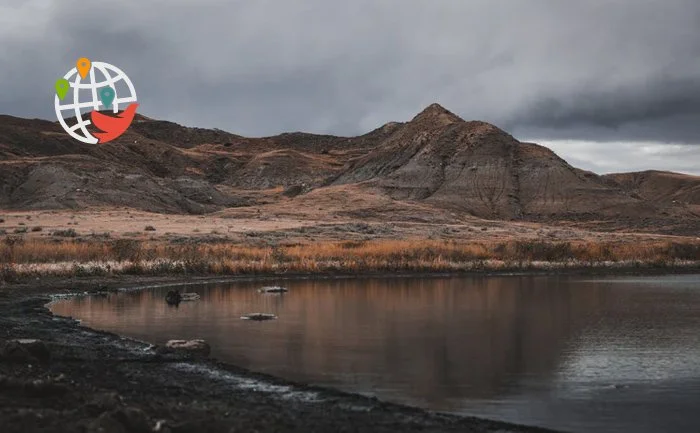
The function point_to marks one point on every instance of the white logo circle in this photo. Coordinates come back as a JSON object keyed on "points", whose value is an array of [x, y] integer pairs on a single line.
{"points": [[77, 107]]}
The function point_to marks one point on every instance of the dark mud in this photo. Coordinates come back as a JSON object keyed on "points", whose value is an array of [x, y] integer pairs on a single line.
{"points": [[100, 382]]}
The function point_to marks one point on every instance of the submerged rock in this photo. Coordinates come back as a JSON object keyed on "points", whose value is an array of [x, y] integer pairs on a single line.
{"points": [[273, 289], [189, 297], [259, 316], [195, 347]]}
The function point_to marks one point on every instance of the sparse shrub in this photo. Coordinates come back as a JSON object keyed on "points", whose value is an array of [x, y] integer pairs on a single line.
{"points": [[3, 232], [293, 191], [352, 244], [279, 256], [2, 220], [127, 249], [543, 251], [22, 224], [11, 241], [67, 233], [20, 230], [7, 273], [684, 251], [37, 229], [149, 229]]}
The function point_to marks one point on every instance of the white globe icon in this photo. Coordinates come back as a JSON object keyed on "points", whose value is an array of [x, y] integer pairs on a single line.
{"points": [[85, 98]]}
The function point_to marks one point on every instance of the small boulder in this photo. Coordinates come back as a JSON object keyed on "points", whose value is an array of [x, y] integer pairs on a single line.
{"points": [[42, 388], [259, 317], [25, 350], [173, 297], [104, 402], [195, 347], [128, 420], [190, 297], [273, 289]]}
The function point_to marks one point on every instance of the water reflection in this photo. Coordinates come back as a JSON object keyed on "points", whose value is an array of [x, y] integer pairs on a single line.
{"points": [[508, 347]]}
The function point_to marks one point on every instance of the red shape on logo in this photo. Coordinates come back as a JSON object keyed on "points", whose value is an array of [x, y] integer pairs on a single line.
{"points": [[112, 127]]}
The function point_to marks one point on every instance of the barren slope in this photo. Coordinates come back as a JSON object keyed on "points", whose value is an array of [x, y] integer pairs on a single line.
{"points": [[662, 187], [476, 168], [436, 164]]}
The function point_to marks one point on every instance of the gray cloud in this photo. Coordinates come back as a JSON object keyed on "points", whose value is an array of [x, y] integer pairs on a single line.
{"points": [[542, 69], [615, 157]]}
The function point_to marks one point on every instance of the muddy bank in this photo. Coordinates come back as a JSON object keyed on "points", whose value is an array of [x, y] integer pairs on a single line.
{"points": [[92, 381]]}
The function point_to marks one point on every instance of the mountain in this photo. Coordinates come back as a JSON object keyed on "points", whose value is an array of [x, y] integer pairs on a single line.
{"points": [[435, 163], [670, 189], [475, 167]]}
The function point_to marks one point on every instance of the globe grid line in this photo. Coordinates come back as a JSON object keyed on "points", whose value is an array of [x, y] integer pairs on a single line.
{"points": [[90, 104], [93, 87], [78, 114], [106, 70], [110, 83]]}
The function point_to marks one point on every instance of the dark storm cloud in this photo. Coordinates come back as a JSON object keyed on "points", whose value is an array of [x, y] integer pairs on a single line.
{"points": [[543, 69], [663, 110]]}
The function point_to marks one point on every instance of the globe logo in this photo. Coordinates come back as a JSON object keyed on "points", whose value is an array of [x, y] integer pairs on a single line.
{"points": [[96, 88]]}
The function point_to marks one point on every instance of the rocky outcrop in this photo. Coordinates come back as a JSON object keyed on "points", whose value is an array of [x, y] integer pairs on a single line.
{"points": [[25, 351], [192, 347], [123, 420]]}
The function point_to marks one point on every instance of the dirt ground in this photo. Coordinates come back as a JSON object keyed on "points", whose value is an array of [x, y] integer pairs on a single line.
{"points": [[278, 223], [88, 381]]}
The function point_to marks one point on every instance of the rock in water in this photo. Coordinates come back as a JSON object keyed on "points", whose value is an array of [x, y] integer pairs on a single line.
{"points": [[173, 297], [273, 289], [259, 316], [195, 347], [25, 350], [190, 297]]}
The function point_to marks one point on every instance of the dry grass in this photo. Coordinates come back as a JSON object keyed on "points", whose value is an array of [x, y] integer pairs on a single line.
{"points": [[20, 257]]}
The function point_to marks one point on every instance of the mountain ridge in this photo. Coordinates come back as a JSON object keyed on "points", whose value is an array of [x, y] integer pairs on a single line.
{"points": [[436, 159]]}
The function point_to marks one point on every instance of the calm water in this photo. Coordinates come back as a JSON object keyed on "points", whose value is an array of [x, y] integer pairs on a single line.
{"points": [[579, 354]]}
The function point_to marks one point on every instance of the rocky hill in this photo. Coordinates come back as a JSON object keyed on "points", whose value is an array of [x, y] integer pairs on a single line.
{"points": [[436, 160], [661, 186], [475, 167]]}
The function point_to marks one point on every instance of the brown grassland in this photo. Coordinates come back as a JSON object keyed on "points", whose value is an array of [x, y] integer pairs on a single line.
{"points": [[22, 258]]}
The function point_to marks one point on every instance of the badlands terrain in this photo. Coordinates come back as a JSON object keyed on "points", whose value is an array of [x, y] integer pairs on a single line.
{"points": [[435, 176], [434, 194]]}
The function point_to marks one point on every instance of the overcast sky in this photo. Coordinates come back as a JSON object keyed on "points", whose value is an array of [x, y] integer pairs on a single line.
{"points": [[610, 85]]}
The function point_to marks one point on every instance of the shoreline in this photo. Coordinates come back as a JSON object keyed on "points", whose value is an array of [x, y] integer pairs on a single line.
{"points": [[96, 378], [97, 282]]}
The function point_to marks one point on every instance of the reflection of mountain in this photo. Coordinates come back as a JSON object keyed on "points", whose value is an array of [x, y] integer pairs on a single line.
{"points": [[431, 340]]}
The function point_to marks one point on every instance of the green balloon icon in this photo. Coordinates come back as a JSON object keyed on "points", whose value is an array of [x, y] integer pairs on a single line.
{"points": [[62, 86]]}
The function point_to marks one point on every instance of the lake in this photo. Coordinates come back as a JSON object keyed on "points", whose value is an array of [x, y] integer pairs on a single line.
{"points": [[580, 354]]}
